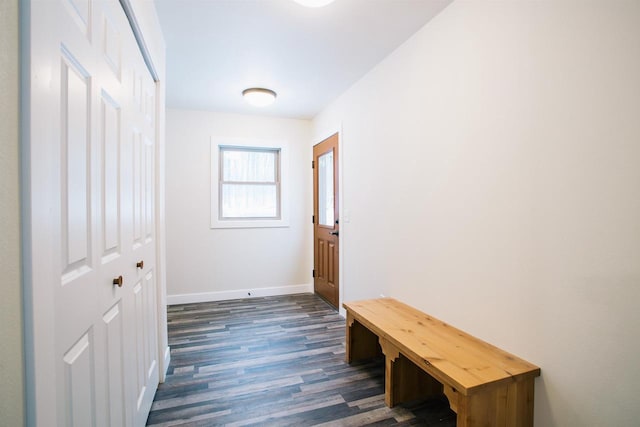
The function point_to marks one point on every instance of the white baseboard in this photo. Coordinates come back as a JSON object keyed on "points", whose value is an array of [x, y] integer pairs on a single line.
{"points": [[237, 294]]}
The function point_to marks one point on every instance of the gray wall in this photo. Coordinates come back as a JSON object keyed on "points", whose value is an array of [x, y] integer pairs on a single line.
{"points": [[11, 353]]}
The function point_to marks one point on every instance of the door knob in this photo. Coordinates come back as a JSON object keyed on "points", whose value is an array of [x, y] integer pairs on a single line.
{"points": [[335, 233], [140, 264], [118, 281]]}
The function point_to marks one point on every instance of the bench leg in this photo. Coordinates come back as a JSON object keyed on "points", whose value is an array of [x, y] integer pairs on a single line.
{"points": [[404, 381], [509, 405], [361, 343]]}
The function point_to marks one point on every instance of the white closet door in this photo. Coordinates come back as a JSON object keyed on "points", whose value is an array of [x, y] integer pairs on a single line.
{"points": [[142, 238], [92, 223]]}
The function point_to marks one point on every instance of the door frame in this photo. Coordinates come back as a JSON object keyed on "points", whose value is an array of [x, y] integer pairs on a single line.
{"points": [[317, 139], [37, 322]]}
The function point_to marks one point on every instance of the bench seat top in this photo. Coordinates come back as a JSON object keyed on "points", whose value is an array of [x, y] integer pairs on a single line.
{"points": [[450, 355]]}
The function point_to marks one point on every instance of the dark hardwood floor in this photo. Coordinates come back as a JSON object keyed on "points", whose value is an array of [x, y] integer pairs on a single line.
{"points": [[274, 361]]}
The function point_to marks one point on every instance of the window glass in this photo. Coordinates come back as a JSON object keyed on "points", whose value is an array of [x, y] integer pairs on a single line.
{"points": [[249, 201], [248, 165], [249, 183]]}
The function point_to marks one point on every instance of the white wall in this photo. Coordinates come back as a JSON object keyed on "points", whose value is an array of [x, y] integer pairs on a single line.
{"points": [[11, 353], [209, 264], [492, 177]]}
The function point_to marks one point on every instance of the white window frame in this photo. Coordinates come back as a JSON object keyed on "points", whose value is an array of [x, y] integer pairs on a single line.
{"points": [[275, 183], [256, 144]]}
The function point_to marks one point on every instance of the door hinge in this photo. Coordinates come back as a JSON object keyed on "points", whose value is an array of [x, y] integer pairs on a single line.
{"points": [[313, 273], [313, 164], [313, 219]]}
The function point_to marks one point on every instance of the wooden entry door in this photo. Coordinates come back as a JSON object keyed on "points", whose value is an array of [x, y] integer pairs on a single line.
{"points": [[326, 224]]}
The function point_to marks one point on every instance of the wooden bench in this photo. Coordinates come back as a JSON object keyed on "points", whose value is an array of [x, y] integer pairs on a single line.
{"points": [[426, 357]]}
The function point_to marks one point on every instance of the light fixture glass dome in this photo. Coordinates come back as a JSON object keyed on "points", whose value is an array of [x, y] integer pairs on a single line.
{"points": [[259, 97], [314, 3]]}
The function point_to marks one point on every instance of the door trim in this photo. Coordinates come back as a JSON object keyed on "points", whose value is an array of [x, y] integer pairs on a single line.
{"points": [[320, 136], [139, 36]]}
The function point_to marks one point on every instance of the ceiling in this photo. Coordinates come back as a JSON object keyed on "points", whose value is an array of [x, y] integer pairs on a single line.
{"points": [[309, 56]]}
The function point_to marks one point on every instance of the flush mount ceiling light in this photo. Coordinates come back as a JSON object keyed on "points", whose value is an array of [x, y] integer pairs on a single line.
{"points": [[314, 3], [259, 97]]}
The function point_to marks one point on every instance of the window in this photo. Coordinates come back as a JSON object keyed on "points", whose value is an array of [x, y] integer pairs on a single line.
{"points": [[248, 184]]}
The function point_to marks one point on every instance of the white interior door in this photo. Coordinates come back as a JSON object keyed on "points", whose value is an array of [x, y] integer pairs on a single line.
{"points": [[93, 302], [142, 238]]}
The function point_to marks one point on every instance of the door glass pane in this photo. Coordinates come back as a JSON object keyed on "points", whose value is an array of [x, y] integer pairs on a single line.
{"points": [[325, 189]]}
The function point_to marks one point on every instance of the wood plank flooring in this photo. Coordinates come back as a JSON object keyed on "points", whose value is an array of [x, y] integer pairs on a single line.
{"points": [[274, 361]]}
